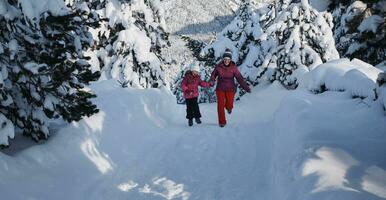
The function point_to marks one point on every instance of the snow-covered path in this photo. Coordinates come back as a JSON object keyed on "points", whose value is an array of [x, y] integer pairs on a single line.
{"points": [[140, 147], [274, 147], [165, 157]]}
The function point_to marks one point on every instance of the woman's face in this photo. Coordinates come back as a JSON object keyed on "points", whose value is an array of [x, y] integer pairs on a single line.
{"points": [[227, 61]]}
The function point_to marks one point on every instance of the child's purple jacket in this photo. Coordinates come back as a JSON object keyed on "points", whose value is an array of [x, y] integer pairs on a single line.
{"points": [[190, 85], [226, 75]]}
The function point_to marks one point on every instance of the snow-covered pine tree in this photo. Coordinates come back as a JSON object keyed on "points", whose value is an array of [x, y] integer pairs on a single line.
{"points": [[303, 38], [196, 46], [6, 126], [360, 29], [130, 42], [46, 71], [237, 36], [259, 61], [176, 87], [207, 95]]}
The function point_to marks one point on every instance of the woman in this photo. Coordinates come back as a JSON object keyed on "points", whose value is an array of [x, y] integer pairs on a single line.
{"points": [[225, 72]]}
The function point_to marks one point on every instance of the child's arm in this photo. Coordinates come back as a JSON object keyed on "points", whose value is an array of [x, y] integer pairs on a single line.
{"points": [[204, 84], [184, 85]]}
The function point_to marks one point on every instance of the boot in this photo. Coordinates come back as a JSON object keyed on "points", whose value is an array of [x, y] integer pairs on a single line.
{"points": [[222, 125], [190, 122], [229, 111], [198, 121]]}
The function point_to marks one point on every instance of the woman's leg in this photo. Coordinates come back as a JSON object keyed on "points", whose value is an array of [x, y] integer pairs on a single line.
{"points": [[220, 107], [229, 100]]}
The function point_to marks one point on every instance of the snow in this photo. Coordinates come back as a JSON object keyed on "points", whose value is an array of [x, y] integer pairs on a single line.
{"points": [[9, 12], [137, 40], [34, 67], [331, 166], [356, 77], [374, 181], [32, 9], [319, 5], [324, 145], [200, 19], [6, 130], [278, 144], [371, 24], [13, 47]]}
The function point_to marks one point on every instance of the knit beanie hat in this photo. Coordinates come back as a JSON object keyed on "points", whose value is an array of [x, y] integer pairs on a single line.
{"points": [[195, 67], [227, 54]]}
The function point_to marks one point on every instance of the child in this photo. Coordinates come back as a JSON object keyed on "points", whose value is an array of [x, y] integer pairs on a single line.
{"points": [[189, 87]]}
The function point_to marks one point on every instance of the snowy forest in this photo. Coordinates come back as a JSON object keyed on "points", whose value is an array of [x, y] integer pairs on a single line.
{"points": [[91, 103]]}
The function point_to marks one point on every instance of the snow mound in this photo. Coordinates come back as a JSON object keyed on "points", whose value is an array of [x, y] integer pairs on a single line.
{"points": [[327, 146], [356, 77]]}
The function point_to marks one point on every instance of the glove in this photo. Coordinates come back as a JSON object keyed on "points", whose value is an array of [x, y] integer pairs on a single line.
{"points": [[248, 90]]}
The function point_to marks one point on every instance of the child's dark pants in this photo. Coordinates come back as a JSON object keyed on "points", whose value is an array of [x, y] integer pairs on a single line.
{"points": [[192, 109]]}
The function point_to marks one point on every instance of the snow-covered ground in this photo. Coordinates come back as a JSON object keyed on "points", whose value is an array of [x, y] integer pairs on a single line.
{"points": [[278, 144]]}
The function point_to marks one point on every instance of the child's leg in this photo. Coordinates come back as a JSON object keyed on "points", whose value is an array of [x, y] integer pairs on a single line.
{"points": [[229, 100], [220, 107], [189, 109], [196, 108]]}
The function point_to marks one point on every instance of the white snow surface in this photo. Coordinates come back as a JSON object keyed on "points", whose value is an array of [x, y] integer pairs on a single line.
{"points": [[7, 130], [356, 77], [32, 9], [278, 144], [371, 23], [320, 5]]}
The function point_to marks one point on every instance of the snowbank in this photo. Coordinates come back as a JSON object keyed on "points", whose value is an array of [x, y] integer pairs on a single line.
{"points": [[356, 77], [328, 146], [77, 162]]}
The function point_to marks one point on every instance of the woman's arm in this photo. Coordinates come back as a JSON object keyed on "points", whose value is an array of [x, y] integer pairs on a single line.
{"points": [[240, 80], [213, 76]]}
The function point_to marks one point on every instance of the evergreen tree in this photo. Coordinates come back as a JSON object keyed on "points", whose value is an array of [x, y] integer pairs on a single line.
{"points": [[360, 29], [237, 36], [130, 42], [46, 71], [303, 40], [6, 126], [176, 87]]}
